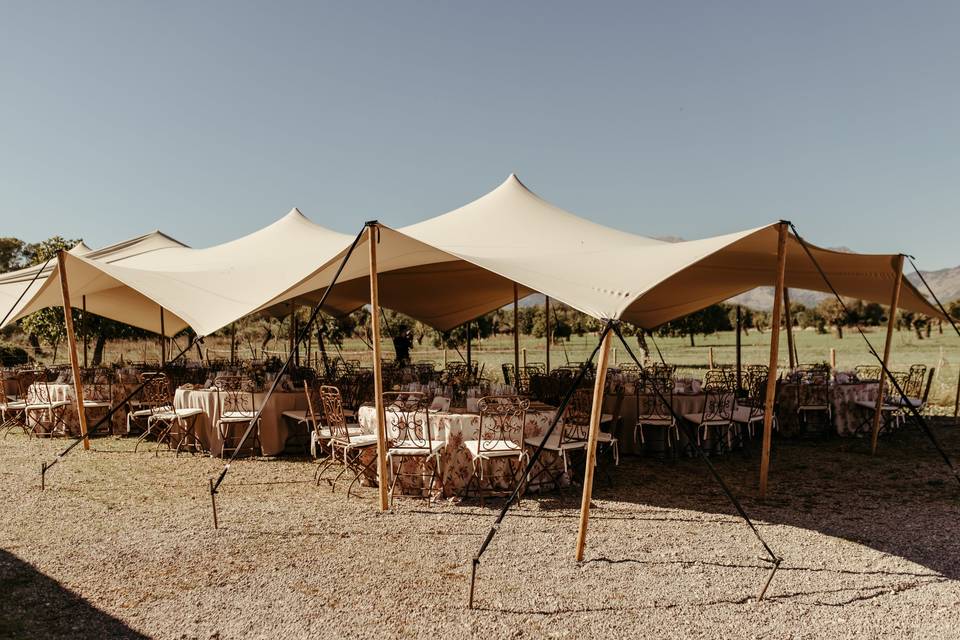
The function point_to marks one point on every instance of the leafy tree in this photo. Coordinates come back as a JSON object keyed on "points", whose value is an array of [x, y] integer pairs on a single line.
{"points": [[12, 254], [709, 320]]}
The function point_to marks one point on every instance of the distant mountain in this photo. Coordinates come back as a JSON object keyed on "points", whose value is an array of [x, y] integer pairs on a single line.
{"points": [[944, 282]]}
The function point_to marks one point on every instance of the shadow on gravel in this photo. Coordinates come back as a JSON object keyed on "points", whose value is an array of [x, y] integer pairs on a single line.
{"points": [[903, 502], [34, 605]]}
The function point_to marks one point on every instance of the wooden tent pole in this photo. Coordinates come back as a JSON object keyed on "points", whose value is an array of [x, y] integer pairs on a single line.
{"points": [[382, 479], [596, 412], [86, 331], [163, 340], [894, 302], [469, 350], [771, 390], [546, 309], [789, 322], [516, 336], [72, 343], [739, 348]]}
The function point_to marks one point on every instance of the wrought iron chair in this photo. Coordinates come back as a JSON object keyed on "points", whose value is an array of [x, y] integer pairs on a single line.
{"points": [[45, 413], [172, 427], [500, 437], [749, 408], [344, 444], [13, 407], [152, 396], [813, 396], [654, 409], [914, 387], [717, 416], [320, 432], [412, 440], [238, 408], [891, 408], [570, 436]]}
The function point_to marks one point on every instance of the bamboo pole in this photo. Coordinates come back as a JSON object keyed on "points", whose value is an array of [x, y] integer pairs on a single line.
{"points": [[739, 349], [546, 309], [516, 336], [382, 479], [163, 340], [72, 343], [789, 322], [710, 358], [86, 331], [894, 302], [596, 412], [774, 358], [469, 350]]}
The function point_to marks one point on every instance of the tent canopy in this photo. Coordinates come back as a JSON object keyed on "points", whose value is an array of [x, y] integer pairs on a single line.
{"points": [[457, 266], [19, 288], [452, 268]]}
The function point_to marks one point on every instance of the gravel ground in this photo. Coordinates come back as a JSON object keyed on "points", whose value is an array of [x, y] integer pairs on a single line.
{"points": [[121, 544]]}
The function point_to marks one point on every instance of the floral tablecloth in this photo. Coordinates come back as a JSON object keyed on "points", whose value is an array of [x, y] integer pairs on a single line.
{"points": [[456, 468], [274, 430], [61, 392]]}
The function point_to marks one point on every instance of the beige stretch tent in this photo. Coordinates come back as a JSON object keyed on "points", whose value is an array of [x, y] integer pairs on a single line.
{"points": [[205, 289], [457, 266], [18, 289]]}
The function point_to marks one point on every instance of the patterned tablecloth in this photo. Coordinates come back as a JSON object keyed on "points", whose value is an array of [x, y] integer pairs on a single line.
{"points": [[274, 429], [847, 415], [60, 392], [456, 469]]}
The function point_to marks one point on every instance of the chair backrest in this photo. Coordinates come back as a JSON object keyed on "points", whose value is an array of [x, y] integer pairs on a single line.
{"points": [[333, 417], [235, 395], [35, 386], [656, 399], [502, 420], [314, 406], [717, 405], [509, 374], [718, 379], [408, 420], [576, 419], [155, 394], [890, 393], [868, 372], [915, 379]]}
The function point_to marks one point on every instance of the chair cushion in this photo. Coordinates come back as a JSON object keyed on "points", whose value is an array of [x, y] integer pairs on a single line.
{"points": [[353, 430], [744, 415], [237, 415], [411, 449], [357, 442], [553, 443], [697, 418], [491, 450], [657, 421]]}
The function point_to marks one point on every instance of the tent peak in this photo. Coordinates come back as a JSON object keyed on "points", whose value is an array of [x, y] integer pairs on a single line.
{"points": [[80, 248]]}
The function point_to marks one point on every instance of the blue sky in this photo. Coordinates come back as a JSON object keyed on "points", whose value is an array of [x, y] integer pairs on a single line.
{"points": [[209, 120]]}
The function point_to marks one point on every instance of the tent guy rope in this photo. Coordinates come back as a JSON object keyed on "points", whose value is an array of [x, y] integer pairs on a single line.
{"points": [[301, 336]]}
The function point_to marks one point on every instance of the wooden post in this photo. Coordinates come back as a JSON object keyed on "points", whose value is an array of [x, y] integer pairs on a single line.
{"points": [[523, 355], [956, 404], [163, 340], [739, 349], [382, 478], [72, 344], [771, 390], [516, 335], [614, 356], [710, 358], [469, 350], [86, 331], [595, 414], [894, 302], [233, 342], [833, 359], [789, 322], [546, 310]]}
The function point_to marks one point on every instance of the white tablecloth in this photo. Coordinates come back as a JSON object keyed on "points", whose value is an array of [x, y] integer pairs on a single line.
{"points": [[274, 429]]}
